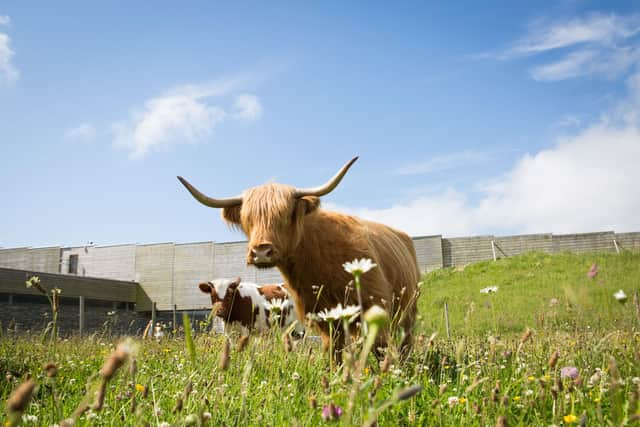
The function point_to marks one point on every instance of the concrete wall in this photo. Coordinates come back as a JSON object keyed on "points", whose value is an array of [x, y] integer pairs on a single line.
{"points": [[32, 316], [585, 242], [154, 273], [628, 240], [46, 260], [193, 264], [465, 250], [168, 273], [514, 245], [429, 252]]}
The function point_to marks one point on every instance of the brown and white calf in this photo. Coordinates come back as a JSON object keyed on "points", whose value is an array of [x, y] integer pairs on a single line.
{"points": [[250, 304]]}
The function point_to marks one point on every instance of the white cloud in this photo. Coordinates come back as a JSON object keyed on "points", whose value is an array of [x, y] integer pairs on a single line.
{"points": [[604, 45], [182, 115], [587, 62], [5, 20], [8, 72], [247, 107], [572, 65], [445, 213], [442, 163], [85, 132], [567, 121], [595, 28], [586, 182]]}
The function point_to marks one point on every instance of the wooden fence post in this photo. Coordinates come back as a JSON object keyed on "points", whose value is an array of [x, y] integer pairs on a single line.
{"points": [[615, 243], [446, 320]]}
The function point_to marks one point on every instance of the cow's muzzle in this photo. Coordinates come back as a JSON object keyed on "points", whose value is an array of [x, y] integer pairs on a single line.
{"points": [[262, 255]]}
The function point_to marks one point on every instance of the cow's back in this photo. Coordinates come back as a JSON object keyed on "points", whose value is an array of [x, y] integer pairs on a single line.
{"points": [[396, 255]]}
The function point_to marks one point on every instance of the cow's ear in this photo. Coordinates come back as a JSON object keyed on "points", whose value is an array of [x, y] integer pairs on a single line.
{"points": [[205, 287], [308, 204], [232, 214]]}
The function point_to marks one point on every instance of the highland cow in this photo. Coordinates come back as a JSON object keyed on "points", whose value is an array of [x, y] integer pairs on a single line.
{"points": [[288, 230]]}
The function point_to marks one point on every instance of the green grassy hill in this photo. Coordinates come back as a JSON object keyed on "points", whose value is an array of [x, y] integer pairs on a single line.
{"points": [[535, 290]]}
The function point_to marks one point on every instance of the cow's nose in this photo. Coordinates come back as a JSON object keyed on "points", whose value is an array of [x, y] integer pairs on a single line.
{"points": [[262, 253]]}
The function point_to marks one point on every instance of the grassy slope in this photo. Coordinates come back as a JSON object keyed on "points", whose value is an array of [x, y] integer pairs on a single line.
{"points": [[277, 386], [527, 284]]}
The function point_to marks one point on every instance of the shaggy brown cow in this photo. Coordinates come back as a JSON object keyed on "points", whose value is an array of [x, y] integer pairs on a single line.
{"points": [[249, 304], [288, 230]]}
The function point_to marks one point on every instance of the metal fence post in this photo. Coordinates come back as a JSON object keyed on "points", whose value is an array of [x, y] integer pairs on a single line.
{"points": [[153, 318], [81, 316]]}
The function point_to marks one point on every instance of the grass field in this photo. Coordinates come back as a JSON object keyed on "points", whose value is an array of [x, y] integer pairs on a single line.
{"points": [[579, 362]]}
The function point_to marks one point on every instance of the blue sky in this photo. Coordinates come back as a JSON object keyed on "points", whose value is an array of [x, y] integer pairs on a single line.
{"points": [[502, 118]]}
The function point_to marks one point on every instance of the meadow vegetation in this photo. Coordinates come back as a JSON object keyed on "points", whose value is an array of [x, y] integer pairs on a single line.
{"points": [[550, 346]]}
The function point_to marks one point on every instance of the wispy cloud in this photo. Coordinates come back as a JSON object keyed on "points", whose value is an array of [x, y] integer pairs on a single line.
{"points": [[607, 63], [442, 163], [595, 28], [8, 72], [596, 44], [85, 132], [567, 121], [184, 114], [247, 107]]}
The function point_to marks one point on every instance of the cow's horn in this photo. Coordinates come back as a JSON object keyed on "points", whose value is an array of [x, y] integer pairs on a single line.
{"points": [[329, 185], [208, 201]]}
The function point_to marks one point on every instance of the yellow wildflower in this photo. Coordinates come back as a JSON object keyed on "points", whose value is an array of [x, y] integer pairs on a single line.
{"points": [[366, 371], [166, 350], [597, 399], [547, 377], [570, 419], [462, 400], [139, 388], [516, 398], [531, 378]]}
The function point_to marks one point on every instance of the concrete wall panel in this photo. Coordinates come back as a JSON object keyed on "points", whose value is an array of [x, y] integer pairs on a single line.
{"points": [[154, 273], [193, 264], [514, 245], [14, 258], [584, 242], [464, 250], [114, 262], [429, 252], [628, 241]]}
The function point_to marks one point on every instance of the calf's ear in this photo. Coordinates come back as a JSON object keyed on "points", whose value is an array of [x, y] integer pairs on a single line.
{"points": [[205, 287]]}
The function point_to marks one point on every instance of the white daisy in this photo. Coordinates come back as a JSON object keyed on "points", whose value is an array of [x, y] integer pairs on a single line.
{"points": [[489, 289], [359, 266], [339, 312], [28, 418], [620, 296], [276, 305]]}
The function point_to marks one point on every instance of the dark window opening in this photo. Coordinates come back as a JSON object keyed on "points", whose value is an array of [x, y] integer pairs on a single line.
{"points": [[73, 264]]}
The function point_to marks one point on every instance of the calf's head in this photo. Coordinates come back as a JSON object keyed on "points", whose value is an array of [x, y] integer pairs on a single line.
{"points": [[223, 293], [271, 215]]}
